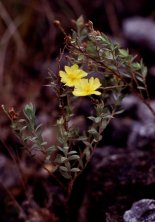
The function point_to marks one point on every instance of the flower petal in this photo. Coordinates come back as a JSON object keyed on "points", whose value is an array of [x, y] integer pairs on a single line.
{"points": [[96, 93], [74, 67], [63, 76], [68, 70]]}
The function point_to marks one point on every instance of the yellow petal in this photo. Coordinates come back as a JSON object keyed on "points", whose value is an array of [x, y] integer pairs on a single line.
{"points": [[97, 82], [68, 69], [63, 76], [77, 93], [97, 93], [74, 67]]}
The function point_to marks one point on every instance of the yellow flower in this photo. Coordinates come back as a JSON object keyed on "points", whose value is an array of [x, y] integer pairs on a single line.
{"points": [[86, 87], [72, 75]]}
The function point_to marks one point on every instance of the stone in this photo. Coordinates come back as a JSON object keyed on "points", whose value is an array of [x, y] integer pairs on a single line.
{"points": [[141, 211], [140, 31]]}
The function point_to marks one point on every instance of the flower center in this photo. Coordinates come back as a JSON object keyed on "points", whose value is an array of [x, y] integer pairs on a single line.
{"points": [[87, 89]]}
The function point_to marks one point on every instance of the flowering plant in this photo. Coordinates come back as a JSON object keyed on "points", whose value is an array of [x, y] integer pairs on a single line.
{"points": [[100, 71]]}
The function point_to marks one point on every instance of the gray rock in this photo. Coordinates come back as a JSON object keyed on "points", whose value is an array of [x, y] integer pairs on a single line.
{"points": [[133, 104], [141, 135], [143, 125], [141, 211], [141, 31]]}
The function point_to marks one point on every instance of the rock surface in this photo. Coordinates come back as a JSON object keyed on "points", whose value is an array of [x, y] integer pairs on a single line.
{"points": [[141, 31], [141, 211]]}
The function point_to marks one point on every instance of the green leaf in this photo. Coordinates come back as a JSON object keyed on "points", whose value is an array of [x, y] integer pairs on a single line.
{"points": [[87, 154], [80, 58], [123, 53], [38, 127], [88, 144], [92, 118], [80, 21], [21, 120], [95, 119], [140, 78], [103, 124], [60, 121], [26, 138], [43, 143], [108, 55], [72, 152], [136, 65], [100, 138], [140, 87], [98, 119], [93, 131], [126, 74], [63, 159], [144, 71], [75, 170], [33, 139], [63, 168], [29, 111], [60, 148], [23, 128], [119, 112], [104, 39], [73, 157], [66, 148], [51, 150]]}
